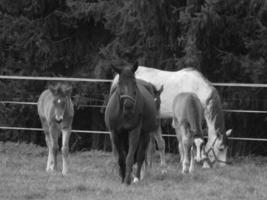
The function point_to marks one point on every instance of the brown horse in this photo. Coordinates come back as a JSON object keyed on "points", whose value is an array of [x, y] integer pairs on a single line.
{"points": [[157, 135], [188, 116], [130, 116], [56, 112]]}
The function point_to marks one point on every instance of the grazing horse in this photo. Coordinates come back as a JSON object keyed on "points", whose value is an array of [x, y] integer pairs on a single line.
{"points": [[191, 80], [56, 112], [187, 122], [130, 116]]}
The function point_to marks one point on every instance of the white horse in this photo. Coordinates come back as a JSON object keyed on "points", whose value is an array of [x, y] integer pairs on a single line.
{"points": [[191, 80]]}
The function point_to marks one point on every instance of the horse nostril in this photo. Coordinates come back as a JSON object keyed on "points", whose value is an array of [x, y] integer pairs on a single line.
{"points": [[58, 120]]}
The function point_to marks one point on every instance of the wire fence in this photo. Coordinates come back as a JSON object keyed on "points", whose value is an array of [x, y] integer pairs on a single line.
{"points": [[109, 81], [102, 106], [107, 133], [68, 79]]}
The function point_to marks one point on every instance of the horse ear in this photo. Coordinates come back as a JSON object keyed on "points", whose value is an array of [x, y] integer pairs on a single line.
{"points": [[52, 89], [116, 69], [228, 132], [68, 90], [135, 66]]}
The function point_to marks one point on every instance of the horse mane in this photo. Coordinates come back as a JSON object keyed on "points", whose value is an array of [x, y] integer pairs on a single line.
{"points": [[216, 106], [62, 88], [216, 110], [214, 99]]}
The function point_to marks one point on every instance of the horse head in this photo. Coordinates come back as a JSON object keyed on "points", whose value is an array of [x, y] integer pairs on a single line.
{"points": [[127, 87], [199, 148], [218, 148], [61, 94], [198, 145]]}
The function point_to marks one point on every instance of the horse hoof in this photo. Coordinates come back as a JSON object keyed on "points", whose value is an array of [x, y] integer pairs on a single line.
{"points": [[185, 171], [206, 166], [64, 173], [50, 170], [135, 180], [164, 171]]}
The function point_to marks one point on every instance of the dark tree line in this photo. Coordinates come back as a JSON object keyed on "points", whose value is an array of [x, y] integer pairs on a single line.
{"points": [[225, 39]]}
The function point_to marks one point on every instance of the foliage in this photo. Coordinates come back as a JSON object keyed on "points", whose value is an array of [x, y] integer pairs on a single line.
{"points": [[228, 37]]}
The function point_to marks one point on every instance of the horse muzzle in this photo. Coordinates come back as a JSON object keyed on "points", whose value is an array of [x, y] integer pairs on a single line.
{"points": [[127, 111], [59, 119]]}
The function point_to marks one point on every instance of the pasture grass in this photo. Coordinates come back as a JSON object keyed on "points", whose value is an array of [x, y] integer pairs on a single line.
{"points": [[94, 176]]}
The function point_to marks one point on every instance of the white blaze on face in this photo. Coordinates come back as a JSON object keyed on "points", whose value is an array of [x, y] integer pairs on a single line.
{"points": [[59, 112], [59, 117], [198, 143]]}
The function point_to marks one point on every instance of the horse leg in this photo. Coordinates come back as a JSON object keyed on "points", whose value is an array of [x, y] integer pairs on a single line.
{"points": [[161, 146], [120, 154], [180, 146], [141, 154], [206, 161], [192, 161], [114, 150], [65, 150], [148, 157], [133, 138], [150, 150], [186, 149], [186, 157], [181, 151], [48, 142], [54, 134], [122, 165]]}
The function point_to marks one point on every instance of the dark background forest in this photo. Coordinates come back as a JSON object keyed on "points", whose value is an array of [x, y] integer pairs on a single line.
{"points": [[225, 39]]}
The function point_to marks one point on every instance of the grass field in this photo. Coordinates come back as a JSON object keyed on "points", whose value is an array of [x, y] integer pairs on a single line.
{"points": [[92, 176]]}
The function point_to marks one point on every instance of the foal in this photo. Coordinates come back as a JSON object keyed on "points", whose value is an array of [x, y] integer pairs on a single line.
{"points": [[187, 122], [157, 135], [56, 112]]}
